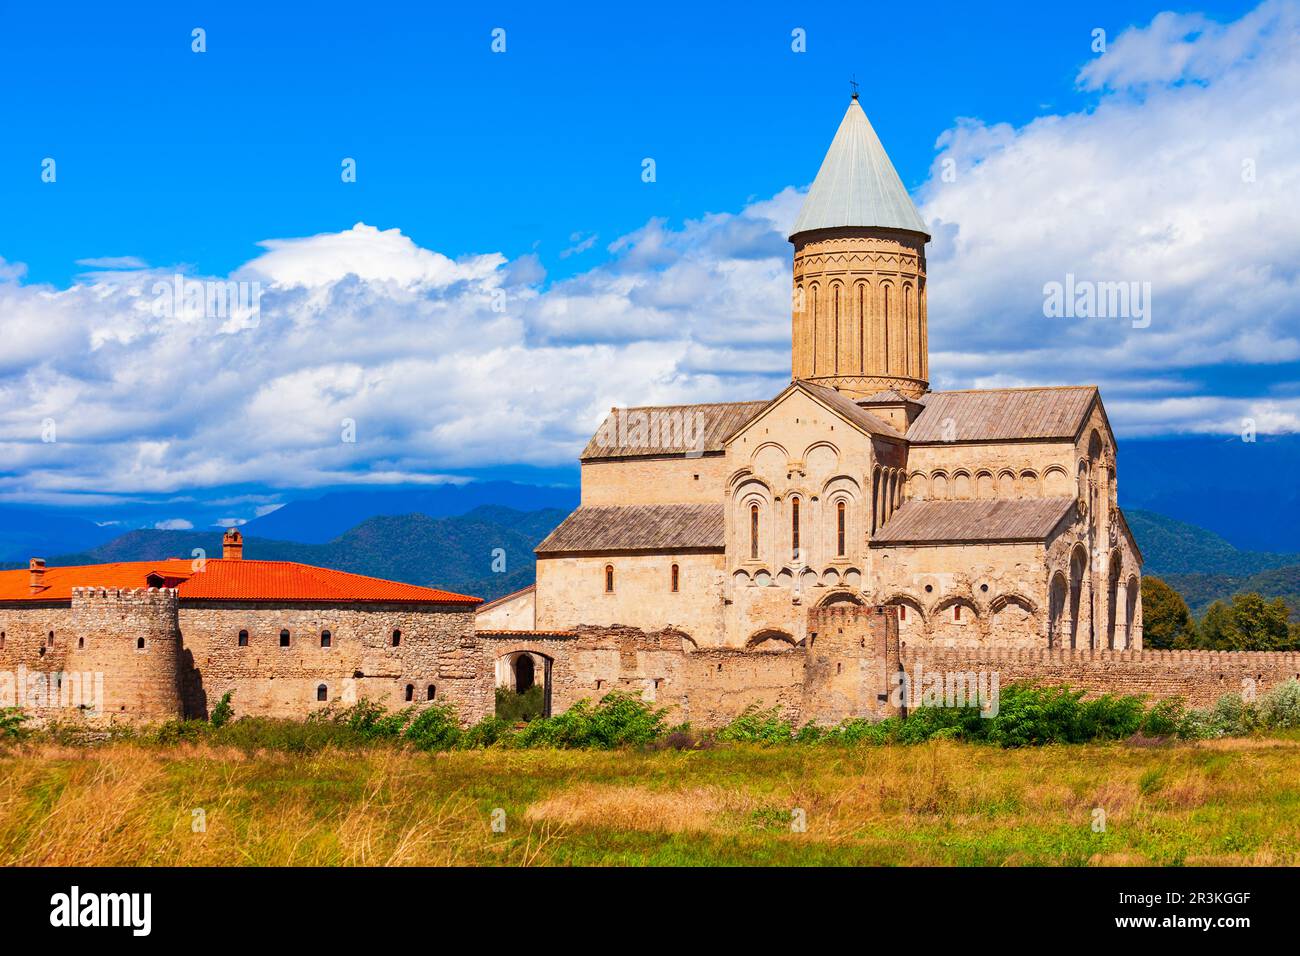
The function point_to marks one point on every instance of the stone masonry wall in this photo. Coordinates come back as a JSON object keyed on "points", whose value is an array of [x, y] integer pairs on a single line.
{"points": [[1202, 677], [361, 660], [155, 660]]}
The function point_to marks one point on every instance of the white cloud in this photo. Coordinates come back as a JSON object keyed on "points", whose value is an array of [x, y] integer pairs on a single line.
{"points": [[174, 524], [449, 363]]}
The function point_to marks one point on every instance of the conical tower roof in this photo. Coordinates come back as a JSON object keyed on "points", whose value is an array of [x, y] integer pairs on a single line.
{"points": [[857, 184]]}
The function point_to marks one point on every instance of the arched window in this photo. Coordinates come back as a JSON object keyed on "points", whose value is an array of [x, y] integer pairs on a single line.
{"points": [[326, 639], [139, 643], [676, 578], [609, 579], [322, 692], [753, 532], [410, 692], [839, 529], [243, 639], [81, 642], [956, 612], [2, 639], [284, 638], [50, 639], [429, 692], [794, 528], [397, 637]]}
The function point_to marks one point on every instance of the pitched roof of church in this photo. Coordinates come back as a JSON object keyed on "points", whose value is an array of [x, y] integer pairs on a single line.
{"points": [[999, 519], [225, 580], [1003, 414], [623, 434], [851, 410], [637, 528], [857, 185]]}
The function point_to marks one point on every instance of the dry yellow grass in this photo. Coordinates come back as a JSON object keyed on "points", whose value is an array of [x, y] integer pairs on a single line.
{"points": [[937, 803]]}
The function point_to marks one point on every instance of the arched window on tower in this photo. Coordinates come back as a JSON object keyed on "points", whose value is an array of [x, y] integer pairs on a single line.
{"points": [[753, 532], [676, 578], [840, 519], [243, 639], [794, 528], [322, 692], [609, 579]]}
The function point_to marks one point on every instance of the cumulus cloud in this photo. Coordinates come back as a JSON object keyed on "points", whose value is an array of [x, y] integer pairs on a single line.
{"points": [[174, 524], [373, 360]]}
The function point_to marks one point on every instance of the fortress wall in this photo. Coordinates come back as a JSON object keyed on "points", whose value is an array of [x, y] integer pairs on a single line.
{"points": [[361, 661], [131, 637], [841, 674], [1202, 677], [112, 649]]}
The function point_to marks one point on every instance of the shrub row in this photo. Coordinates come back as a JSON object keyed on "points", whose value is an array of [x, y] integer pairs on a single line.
{"points": [[1026, 716]]}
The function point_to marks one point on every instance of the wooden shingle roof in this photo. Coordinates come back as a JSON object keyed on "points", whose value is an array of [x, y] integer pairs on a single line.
{"points": [[1003, 414], [637, 528], [999, 519]]}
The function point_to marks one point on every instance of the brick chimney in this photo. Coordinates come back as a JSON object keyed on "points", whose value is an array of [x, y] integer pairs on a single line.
{"points": [[37, 568], [232, 545]]}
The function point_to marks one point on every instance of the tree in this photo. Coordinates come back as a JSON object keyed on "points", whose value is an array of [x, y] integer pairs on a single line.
{"points": [[1166, 621], [1250, 623]]}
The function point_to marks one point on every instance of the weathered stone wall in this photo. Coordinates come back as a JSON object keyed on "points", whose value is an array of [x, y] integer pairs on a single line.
{"points": [[361, 660], [840, 672], [157, 660], [115, 650], [1202, 677]]}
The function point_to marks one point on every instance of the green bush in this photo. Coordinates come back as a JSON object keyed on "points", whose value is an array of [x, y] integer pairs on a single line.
{"points": [[486, 733], [619, 720], [222, 713], [1231, 716], [755, 726], [1197, 724], [11, 724], [517, 708], [1279, 709], [1164, 718], [182, 731], [434, 728]]}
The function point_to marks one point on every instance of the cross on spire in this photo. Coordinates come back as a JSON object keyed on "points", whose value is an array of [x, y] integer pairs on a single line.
{"points": [[853, 82]]}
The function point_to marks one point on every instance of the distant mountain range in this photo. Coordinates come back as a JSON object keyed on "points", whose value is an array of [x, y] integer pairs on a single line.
{"points": [[1235, 488], [318, 520], [455, 553]]}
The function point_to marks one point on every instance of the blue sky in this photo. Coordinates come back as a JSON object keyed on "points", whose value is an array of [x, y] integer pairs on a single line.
{"points": [[518, 176], [175, 157]]}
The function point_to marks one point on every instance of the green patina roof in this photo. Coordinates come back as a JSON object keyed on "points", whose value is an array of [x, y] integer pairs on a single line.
{"points": [[857, 184]]}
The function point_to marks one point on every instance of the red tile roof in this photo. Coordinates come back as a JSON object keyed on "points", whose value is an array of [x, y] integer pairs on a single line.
{"points": [[223, 580]]}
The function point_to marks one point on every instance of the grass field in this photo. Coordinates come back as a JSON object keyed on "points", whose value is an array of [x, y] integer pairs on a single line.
{"points": [[1223, 802]]}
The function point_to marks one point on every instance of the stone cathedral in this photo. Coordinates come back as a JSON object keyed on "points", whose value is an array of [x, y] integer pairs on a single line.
{"points": [[987, 518]]}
